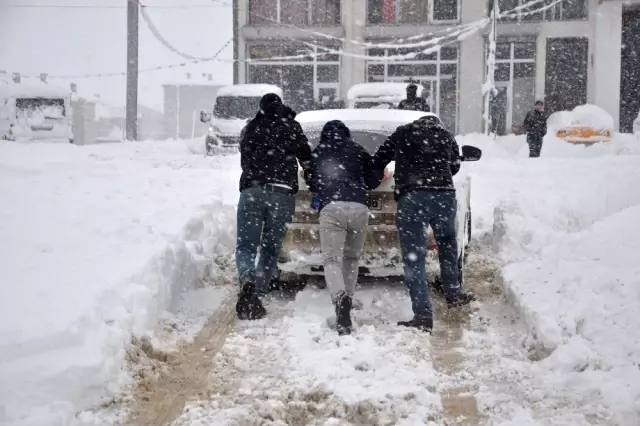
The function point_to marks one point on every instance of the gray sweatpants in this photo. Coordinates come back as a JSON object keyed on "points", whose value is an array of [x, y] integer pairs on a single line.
{"points": [[343, 228]]}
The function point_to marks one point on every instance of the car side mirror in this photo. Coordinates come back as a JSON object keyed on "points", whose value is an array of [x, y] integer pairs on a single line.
{"points": [[471, 153], [205, 117]]}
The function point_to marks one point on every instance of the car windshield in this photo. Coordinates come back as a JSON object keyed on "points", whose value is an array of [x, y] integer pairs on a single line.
{"points": [[236, 107], [369, 140], [51, 108], [374, 105]]}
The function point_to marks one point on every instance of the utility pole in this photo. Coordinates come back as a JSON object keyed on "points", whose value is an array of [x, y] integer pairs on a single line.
{"points": [[132, 70], [489, 88]]}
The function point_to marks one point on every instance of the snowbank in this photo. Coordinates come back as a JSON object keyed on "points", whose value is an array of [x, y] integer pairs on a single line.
{"points": [[98, 242], [566, 228]]}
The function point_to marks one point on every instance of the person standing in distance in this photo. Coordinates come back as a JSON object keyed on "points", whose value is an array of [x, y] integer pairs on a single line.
{"points": [[271, 146], [535, 126], [413, 102]]}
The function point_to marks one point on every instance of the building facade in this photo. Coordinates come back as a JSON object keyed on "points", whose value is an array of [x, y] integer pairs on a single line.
{"points": [[566, 52]]}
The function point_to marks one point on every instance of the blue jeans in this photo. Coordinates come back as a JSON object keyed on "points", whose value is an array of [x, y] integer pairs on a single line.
{"points": [[416, 211], [263, 217]]}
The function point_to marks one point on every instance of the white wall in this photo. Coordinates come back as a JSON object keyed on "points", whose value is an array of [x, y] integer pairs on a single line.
{"points": [[471, 72], [243, 19], [353, 70], [607, 61]]}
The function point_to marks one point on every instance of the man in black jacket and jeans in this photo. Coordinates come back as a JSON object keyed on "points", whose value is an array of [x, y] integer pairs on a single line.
{"points": [[271, 146], [535, 126], [426, 157]]}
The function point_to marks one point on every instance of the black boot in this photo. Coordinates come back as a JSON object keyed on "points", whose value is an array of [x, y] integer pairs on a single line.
{"points": [[249, 307], [422, 324], [461, 300], [343, 314]]}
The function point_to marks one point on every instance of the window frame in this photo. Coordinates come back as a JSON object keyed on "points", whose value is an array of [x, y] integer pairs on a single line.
{"points": [[548, 15], [437, 78], [309, 18], [430, 17], [315, 62]]}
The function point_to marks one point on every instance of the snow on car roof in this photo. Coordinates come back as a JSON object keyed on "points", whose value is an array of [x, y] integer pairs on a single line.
{"points": [[249, 90], [33, 90], [374, 90], [582, 115], [361, 119]]}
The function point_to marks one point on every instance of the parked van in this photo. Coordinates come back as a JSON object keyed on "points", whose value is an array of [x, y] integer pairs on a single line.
{"points": [[35, 111], [234, 106]]}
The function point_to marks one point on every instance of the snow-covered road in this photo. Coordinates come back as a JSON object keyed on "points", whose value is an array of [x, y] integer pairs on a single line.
{"points": [[102, 243]]}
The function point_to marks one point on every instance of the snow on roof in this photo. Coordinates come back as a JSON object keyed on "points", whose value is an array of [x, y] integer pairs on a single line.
{"points": [[361, 119], [375, 90], [33, 90], [249, 90], [582, 115]]}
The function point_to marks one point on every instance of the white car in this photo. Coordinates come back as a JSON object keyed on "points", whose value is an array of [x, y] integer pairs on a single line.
{"points": [[234, 106], [301, 255]]}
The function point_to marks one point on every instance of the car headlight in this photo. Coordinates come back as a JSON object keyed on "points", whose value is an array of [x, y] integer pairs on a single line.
{"points": [[213, 130]]}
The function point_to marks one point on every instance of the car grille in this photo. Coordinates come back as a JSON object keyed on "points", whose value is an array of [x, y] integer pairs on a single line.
{"points": [[229, 140]]}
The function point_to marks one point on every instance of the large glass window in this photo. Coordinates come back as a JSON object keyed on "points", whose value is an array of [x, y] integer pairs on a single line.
{"points": [[548, 10], [294, 12], [437, 72], [411, 11], [313, 78], [515, 76]]}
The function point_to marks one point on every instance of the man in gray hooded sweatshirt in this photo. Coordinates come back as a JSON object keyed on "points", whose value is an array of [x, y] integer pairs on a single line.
{"points": [[340, 176]]}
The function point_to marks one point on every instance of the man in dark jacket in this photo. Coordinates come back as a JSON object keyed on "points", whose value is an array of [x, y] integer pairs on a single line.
{"points": [[426, 157], [413, 102], [341, 175], [535, 126], [270, 149]]}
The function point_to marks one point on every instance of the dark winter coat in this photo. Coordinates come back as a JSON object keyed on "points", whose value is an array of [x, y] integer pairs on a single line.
{"points": [[271, 144], [414, 104], [342, 170], [535, 123], [426, 156]]}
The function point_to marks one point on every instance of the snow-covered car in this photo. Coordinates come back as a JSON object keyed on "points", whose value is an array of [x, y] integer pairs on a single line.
{"points": [[585, 125], [234, 106], [301, 255], [376, 95], [35, 111]]}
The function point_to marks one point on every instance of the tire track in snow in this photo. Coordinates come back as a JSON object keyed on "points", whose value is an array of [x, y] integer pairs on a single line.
{"points": [[292, 369], [187, 373]]}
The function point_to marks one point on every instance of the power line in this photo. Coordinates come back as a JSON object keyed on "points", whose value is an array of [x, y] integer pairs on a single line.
{"points": [[156, 33], [99, 7], [460, 34]]}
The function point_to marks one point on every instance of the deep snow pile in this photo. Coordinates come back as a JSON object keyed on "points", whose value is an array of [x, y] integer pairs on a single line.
{"points": [[566, 228], [97, 242]]}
